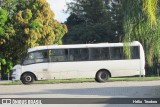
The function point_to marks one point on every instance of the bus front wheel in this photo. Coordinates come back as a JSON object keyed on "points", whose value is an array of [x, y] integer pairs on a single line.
{"points": [[102, 76], [27, 78]]}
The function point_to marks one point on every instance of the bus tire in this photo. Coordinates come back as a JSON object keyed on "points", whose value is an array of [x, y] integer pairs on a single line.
{"points": [[102, 76], [27, 78]]}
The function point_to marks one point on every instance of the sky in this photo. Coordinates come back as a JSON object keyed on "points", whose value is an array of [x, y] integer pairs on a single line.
{"points": [[58, 7]]}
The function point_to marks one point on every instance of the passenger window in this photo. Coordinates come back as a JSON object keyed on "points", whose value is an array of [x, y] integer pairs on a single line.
{"points": [[58, 55], [116, 53], [105, 53], [135, 54], [95, 54], [81, 54]]}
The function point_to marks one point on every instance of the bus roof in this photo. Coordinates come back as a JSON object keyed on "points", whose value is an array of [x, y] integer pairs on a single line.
{"points": [[135, 43]]}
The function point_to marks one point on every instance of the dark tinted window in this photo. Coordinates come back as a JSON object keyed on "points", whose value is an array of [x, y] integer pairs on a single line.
{"points": [[81, 54], [105, 53], [99, 53], [95, 54], [58, 55], [135, 54], [36, 57], [116, 53]]}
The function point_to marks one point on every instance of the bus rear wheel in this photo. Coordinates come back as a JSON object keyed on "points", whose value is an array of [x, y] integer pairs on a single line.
{"points": [[102, 76], [27, 78]]}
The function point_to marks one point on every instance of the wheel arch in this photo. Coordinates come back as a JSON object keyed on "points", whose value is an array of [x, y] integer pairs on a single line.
{"points": [[35, 78]]}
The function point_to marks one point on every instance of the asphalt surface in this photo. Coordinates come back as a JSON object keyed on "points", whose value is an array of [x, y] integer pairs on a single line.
{"points": [[120, 89]]}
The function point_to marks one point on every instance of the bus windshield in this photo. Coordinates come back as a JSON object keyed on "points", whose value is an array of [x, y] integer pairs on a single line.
{"points": [[36, 57]]}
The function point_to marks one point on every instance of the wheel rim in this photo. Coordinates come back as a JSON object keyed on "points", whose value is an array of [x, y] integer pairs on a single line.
{"points": [[28, 78], [103, 76]]}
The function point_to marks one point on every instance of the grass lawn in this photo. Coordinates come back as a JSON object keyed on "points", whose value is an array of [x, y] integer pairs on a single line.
{"points": [[82, 80]]}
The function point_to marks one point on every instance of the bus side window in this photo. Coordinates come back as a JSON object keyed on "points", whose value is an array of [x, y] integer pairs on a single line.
{"points": [[116, 53], [73, 54], [71, 58], [135, 53], [104, 53], [41, 56], [84, 54], [78, 54], [58, 55], [95, 54], [113, 52]]}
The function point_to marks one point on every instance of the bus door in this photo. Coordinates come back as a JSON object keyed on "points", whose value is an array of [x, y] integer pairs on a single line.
{"points": [[37, 62]]}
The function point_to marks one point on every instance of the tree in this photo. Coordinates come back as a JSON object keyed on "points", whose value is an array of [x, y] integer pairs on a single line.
{"points": [[93, 33], [140, 23], [3, 19], [34, 25], [91, 11], [30, 23], [93, 21], [73, 20]]}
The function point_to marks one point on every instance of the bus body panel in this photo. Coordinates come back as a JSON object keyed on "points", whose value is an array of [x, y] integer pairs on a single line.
{"points": [[88, 69], [39, 69], [142, 61]]}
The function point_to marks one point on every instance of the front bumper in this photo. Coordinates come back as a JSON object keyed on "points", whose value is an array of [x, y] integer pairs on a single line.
{"points": [[15, 77]]}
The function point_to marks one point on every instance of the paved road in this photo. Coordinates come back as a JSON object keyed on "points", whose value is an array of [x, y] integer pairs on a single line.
{"points": [[149, 89], [141, 89]]}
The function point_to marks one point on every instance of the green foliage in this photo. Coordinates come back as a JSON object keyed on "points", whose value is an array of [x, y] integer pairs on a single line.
{"points": [[127, 50], [140, 23], [27, 23], [93, 21], [6, 66], [10, 7], [1, 31], [73, 19], [27, 14], [3, 17], [150, 7], [90, 33], [36, 24], [3, 61], [91, 11]]}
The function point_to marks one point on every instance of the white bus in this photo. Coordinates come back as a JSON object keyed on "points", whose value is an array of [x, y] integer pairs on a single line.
{"points": [[99, 61]]}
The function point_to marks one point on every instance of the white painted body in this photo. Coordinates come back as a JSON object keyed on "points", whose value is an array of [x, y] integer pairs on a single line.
{"points": [[82, 69]]}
